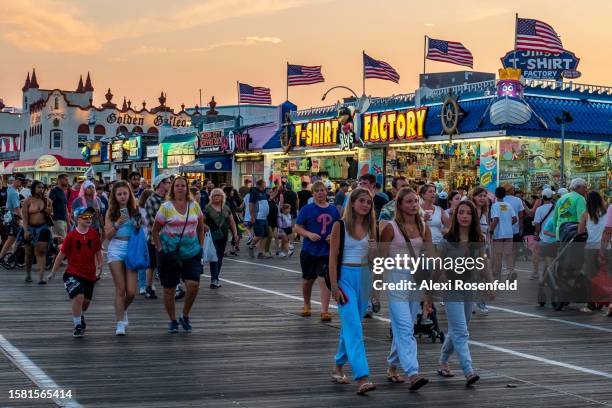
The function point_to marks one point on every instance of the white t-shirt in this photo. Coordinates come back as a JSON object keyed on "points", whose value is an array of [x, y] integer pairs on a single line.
{"points": [[517, 206], [538, 218], [25, 192], [504, 212]]}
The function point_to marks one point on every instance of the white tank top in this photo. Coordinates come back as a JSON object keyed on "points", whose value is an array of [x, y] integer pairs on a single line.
{"points": [[595, 231], [435, 225], [355, 251], [484, 226]]}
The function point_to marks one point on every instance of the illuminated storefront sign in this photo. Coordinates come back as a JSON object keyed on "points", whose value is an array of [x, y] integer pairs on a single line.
{"points": [[393, 126], [318, 133]]}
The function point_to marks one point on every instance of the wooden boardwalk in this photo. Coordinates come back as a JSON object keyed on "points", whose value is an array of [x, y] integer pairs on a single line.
{"points": [[250, 348]]}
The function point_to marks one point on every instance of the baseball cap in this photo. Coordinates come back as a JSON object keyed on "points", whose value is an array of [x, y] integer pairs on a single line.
{"points": [[547, 193], [20, 177], [562, 191], [159, 179], [443, 195], [82, 210]]}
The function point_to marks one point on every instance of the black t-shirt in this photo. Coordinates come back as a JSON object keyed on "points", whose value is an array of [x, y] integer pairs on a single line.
{"points": [[379, 202], [3, 194], [60, 204], [304, 196], [273, 214], [290, 197]]}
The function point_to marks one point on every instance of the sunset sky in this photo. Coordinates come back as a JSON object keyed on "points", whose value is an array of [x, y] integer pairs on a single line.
{"points": [[140, 47]]}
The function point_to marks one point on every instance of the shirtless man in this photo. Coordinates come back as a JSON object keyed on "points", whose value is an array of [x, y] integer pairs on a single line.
{"points": [[36, 232]]}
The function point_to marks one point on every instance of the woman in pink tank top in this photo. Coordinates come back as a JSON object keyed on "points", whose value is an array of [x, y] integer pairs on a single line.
{"points": [[404, 305]]}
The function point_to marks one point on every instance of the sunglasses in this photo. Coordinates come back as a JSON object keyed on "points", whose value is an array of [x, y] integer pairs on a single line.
{"points": [[86, 216]]}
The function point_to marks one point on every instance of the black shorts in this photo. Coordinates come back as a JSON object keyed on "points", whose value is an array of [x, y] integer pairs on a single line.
{"points": [[152, 255], [288, 230], [77, 285], [517, 238], [260, 228], [12, 229], [313, 266], [170, 275]]}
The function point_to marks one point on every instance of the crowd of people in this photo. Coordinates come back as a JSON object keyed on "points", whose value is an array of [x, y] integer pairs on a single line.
{"points": [[338, 233]]}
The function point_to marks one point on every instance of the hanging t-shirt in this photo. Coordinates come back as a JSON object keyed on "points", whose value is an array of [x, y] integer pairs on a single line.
{"points": [[315, 168], [344, 169], [320, 221], [504, 212]]}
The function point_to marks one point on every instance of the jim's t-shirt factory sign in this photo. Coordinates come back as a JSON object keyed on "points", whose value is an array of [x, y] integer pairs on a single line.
{"points": [[377, 128]]}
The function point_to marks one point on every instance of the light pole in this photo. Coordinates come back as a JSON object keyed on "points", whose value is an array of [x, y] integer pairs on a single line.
{"points": [[565, 117], [336, 87]]}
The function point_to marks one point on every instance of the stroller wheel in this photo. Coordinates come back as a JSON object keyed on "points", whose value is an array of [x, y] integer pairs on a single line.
{"points": [[9, 261]]}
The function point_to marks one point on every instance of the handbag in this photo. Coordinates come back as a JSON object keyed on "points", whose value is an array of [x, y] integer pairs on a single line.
{"points": [[217, 233], [340, 255], [172, 259], [210, 252], [139, 253]]}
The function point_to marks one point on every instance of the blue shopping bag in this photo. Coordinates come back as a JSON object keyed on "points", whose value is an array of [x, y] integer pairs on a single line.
{"points": [[138, 252]]}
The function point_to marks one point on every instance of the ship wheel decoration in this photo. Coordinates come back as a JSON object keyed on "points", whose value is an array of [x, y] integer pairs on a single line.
{"points": [[451, 115], [286, 137]]}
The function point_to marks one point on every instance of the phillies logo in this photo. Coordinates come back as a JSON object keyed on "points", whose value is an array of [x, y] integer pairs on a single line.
{"points": [[324, 220]]}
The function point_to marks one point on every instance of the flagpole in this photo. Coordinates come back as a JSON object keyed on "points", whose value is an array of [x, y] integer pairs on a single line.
{"points": [[363, 69], [238, 94], [424, 54], [515, 30], [287, 80]]}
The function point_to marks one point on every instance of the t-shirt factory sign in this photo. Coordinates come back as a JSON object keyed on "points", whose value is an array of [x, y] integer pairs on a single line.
{"points": [[322, 133], [216, 142], [394, 126]]}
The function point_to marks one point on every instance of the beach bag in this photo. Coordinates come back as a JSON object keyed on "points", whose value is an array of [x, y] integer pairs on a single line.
{"points": [[138, 253], [210, 252]]}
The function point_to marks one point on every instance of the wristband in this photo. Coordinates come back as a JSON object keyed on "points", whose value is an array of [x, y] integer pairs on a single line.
{"points": [[334, 290]]}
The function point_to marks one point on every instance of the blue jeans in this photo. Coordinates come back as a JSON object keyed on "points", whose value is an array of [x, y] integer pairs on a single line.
{"points": [[215, 267], [458, 315], [351, 347], [142, 279], [403, 310]]}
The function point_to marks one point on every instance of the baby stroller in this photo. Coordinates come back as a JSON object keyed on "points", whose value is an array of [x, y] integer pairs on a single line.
{"points": [[17, 259], [427, 326], [563, 278]]}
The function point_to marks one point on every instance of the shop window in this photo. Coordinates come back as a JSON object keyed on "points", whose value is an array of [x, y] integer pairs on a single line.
{"points": [[99, 130], [56, 105], [152, 131], [137, 129], [122, 130], [56, 139], [83, 129], [56, 123]]}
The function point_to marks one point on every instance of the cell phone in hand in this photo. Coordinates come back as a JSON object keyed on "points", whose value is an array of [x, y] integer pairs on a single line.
{"points": [[124, 212], [346, 299]]}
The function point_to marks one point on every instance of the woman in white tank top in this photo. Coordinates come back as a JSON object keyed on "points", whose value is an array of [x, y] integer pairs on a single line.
{"points": [[352, 288], [593, 222], [404, 305], [436, 219]]}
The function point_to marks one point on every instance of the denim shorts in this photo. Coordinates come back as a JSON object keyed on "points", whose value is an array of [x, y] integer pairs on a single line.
{"points": [[117, 250], [260, 228]]}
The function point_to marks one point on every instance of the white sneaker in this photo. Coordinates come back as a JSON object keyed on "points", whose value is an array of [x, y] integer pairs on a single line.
{"points": [[142, 291], [120, 329], [125, 319], [291, 246], [282, 255]]}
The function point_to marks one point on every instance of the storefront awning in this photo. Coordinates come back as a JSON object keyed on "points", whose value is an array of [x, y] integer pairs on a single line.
{"points": [[50, 163], [210, 164]]}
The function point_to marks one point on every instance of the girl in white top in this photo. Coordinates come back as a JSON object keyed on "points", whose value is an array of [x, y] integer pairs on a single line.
{"points": [[593, 222], [436, 219], [404, 305], [352, 288]]}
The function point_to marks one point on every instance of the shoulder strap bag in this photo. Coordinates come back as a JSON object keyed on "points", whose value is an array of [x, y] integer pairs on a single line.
{"points": [[340, 256]]}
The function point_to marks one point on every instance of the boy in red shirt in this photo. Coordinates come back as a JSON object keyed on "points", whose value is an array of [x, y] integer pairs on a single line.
{"points": [[83, 249]]}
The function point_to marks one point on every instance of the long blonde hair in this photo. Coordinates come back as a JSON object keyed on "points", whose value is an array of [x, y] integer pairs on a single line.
{"points": [[400, 220], [369, 221]]}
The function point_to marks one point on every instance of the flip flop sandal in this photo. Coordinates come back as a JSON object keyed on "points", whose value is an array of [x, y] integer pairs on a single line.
{"points": [[419, 383], [365, 388], [395, 378], [340, 379], [445, 372], [471, 380]]}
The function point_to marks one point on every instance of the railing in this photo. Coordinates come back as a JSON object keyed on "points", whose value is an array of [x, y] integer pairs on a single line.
{"points": [[568, 86], [485, 87], [219, 125], [393, 99]]}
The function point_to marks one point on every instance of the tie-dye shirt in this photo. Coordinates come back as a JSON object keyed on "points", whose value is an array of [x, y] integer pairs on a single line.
{"points": [[172, 223]]}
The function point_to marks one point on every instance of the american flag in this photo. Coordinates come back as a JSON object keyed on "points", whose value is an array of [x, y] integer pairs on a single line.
{"points": [[373, 68], [449, 51], [303, 75], [535, 35], [254, 94]]}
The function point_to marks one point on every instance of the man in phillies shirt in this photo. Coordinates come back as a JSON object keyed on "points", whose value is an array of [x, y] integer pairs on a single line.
{"points": [[314, 223], [83, 249]]}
